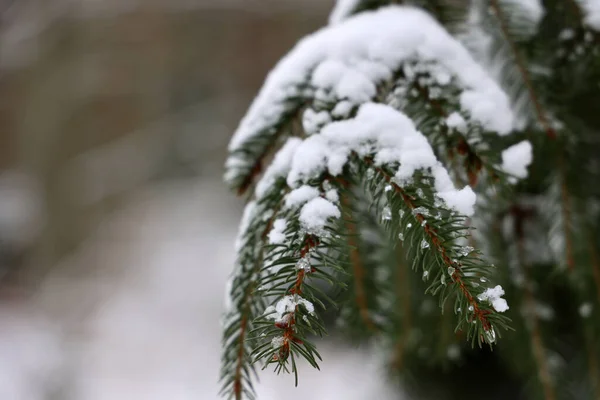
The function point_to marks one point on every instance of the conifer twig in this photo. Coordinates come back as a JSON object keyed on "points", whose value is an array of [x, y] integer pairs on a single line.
{"points": [[462, 147], [478, 313], [243, 330]]}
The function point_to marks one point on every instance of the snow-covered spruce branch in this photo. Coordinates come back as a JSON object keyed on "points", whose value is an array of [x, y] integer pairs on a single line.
{"points": [[329, 75], [243, 306], [294, 232], [425, 92]]}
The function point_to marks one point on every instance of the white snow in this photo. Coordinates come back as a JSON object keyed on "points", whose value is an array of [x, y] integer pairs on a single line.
{"points": [[355, 86], [315, 213], [517, 158], [341, 10], [592, 11], [278, 168], [277, 342], [494, 297], [342, 109], [277, 235], [387, 134], [312, 121], [301, 195], [456, 121], [462, 200], [347, 60], [332, 195], [32, 362], [286, 305]]}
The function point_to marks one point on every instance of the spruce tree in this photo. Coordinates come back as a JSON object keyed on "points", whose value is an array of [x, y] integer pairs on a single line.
{"points": [[419, 153]]}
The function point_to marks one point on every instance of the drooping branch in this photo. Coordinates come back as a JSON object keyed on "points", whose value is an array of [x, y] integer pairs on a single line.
{"points": [[479, 314]]}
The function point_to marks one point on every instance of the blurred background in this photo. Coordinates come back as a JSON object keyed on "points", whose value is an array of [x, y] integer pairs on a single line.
{"points": [[116, 233]]}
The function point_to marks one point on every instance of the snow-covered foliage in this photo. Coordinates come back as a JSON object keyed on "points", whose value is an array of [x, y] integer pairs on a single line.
{"points": [[348, 62], [389, 137], [338, 114]]}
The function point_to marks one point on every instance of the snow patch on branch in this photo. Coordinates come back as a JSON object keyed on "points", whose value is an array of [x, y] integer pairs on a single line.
{"points": [[277, 235], [494, 297], [315, 213], [387, 135], [517, 158], [312, 121], [456, 121], [301, 195], [281, 311]]}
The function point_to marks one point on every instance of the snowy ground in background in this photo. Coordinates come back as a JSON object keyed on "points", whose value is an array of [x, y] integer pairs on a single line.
{"points": [[138, 309]]}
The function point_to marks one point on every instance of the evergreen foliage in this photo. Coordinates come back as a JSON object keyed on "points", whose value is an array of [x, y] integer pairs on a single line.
{"points": [[364, 148]]}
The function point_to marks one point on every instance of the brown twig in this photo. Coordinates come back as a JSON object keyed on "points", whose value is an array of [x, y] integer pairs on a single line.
{"points": [[310, 242]]}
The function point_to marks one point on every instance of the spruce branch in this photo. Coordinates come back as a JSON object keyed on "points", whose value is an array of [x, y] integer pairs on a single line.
{"points": [[303, 233], [236, 366], [246, 162], [448, 255], [439, 114]]}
